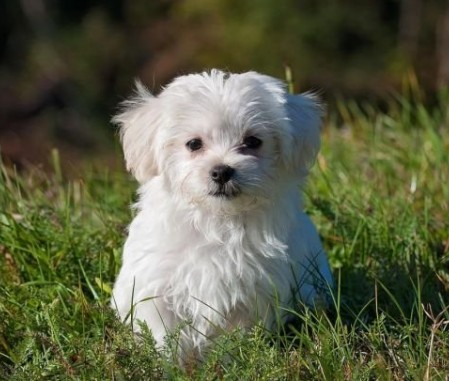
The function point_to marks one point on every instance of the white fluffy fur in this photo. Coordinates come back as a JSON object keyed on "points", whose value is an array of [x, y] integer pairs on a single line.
{"points": [[212, 262]]}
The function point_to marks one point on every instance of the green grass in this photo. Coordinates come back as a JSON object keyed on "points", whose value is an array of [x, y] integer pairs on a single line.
{"points": [[379, 195]]}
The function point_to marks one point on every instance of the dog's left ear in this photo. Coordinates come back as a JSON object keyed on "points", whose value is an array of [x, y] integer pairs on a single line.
{"points": [[301, 144], [139, 122]]}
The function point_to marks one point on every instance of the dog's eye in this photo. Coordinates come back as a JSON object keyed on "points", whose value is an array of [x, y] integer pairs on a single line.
{"points": [[194, 144], [252, 142]]}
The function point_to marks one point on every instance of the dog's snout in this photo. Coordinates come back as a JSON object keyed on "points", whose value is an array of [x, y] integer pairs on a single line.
{"points": [[221, 173]]}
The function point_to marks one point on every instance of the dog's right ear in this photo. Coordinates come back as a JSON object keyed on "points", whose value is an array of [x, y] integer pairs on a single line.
{"points": [[139, 122]]}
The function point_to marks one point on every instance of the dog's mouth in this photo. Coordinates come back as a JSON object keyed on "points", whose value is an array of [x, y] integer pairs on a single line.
{"points": [[226, 191]]}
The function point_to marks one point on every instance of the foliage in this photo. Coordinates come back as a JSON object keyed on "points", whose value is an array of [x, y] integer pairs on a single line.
{"points": [[379, 196], [65, 65]]}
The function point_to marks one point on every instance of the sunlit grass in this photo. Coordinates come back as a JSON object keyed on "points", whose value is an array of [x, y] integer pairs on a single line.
{"points": [[379, 195]]}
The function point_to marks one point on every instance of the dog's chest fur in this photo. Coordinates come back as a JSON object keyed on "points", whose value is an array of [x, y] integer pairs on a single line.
{"points": [[208, 268]]}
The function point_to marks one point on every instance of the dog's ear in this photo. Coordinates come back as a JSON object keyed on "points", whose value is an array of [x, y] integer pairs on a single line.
{"points": [[139, 122], [302, 142], [299, 130]]}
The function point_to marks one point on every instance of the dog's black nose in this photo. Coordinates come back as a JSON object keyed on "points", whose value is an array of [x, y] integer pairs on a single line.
{"points": [[221, 173]]}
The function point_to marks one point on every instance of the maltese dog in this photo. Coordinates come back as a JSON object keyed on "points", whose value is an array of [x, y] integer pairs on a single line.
{"points": [[220, 240]]}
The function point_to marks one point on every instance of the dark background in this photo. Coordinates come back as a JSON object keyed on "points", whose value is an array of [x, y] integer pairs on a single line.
{"points": [[65, 65]]}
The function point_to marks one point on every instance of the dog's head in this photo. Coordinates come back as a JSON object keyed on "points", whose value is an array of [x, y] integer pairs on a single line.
{"points": [[221, 139]]}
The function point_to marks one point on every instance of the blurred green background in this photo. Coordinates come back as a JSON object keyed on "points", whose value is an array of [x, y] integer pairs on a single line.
{"points": [[65, 65]]}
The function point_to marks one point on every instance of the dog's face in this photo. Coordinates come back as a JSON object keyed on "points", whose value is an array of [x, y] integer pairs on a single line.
{"points": [[225, 142]]}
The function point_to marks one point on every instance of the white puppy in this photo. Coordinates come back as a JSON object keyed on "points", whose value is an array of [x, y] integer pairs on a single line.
{"points": [[220, 239]]}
